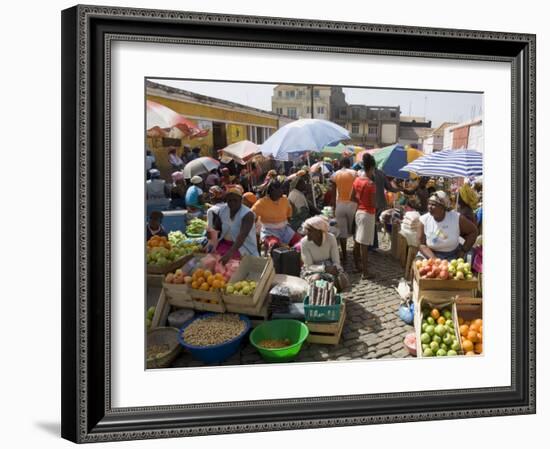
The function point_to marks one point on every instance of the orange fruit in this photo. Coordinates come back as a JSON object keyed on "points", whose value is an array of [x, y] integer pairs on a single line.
{"points": [[463, 330], [210, 279], [435, 314], [460, 320], [467, 345], [479, 337], [206, 274], [476, 325], [217, 284], [441, 320], [472, 336], [218, 276], [195, 285], [205, 286], [201, 280], [467, 323], [199, 272], [470, 353], [478, 348]]}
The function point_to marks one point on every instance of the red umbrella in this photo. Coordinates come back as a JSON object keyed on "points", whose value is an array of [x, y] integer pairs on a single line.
{"points": [[161, 119]]}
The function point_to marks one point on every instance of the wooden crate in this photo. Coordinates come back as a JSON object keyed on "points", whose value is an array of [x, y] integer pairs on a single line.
{"points": [[439, 288], [178, 295], [402, 246], [327, 333], [412, 251], [153, 269], [394, 233], [162, 309], [441, 302], [258, 269], [255, 310], [207, 301], [155, 280]]}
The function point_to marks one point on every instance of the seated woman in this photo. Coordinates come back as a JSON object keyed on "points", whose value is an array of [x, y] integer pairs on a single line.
{"points": [[301, 208], [235, 225], [274, 210], [440, 229], [319, 249]]}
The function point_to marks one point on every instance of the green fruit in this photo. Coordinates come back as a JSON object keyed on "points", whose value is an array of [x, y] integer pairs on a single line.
{"points": [[447, 314], [430, 330], [434, 346], [448, 339], [425, 346], [425, 338], [428, 353], [424, 326], [430, 320], [451, 352], [449, 324], [436, 338], [455, 346], [230, 289], [444, 347], [150, 312], [440, 330], [441, 353]]}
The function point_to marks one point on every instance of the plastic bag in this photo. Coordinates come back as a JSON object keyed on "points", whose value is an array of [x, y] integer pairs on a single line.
{"points": [[406, 312]]}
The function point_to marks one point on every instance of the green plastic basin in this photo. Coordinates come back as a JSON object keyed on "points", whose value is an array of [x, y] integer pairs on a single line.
{"points": [[296, 331]]}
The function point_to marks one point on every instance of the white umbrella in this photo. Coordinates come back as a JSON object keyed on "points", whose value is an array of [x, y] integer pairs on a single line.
{"points": [[302, 135], [241, 151], [199, 166]]}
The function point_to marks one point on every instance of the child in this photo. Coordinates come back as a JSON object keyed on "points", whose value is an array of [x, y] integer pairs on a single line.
{"points": [[154, 226]]}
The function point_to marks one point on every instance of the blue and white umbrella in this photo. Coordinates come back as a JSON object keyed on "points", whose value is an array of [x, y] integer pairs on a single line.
{"points": [[448, 163], [302, 135]]}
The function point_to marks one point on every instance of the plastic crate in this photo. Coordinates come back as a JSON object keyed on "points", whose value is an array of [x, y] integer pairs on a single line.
{"points": [[323, 313]]}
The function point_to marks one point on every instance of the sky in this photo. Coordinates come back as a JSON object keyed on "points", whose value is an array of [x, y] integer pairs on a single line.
{"points": [[436, 106]]}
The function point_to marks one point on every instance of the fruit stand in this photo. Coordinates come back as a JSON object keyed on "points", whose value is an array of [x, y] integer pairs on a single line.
{"points": [[443, 279]]}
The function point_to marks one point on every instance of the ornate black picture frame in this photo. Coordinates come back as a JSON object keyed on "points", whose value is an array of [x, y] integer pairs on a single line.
{"points": [[87, 34]]}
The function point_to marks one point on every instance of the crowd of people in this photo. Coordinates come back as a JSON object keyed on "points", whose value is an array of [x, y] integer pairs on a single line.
{"points": [[248, 213]]}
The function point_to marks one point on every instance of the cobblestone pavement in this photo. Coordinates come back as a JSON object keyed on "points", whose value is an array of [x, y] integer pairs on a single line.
{"points": [[373, 329]]}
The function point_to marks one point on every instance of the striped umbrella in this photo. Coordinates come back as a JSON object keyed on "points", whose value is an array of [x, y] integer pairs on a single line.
{"points": [[448, 163]]}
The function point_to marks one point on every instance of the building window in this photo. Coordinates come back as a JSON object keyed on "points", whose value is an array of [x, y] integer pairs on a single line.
{"points": [[300, 94], [355, 114], [373, 131], [308, 110], [279, 111], [343, 112], [317, 93], [291, 112], [290, 94], [280, 93], [355, 128], [320, 109], [393, 114]]}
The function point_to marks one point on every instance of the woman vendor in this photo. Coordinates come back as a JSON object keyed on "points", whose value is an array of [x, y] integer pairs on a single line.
{"points": [[320, 253], [440, 229], [301, 208], [467, 202], [235, 225], [274, 210]]}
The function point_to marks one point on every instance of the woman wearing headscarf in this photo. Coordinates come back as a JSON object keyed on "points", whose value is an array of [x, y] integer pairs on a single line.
{"points": [[440, 230], [175, 161], [177, 192], [301, 208], [467, 202], [194, 197], [235, 225], [319, 250]]}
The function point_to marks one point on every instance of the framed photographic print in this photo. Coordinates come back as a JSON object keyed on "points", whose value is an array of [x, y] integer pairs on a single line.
{"points": [[278, 224]]}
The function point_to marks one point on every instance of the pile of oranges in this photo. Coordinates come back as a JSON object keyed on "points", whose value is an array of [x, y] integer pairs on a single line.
{"points": [[158, 241], [206, 281], [471, 333]]}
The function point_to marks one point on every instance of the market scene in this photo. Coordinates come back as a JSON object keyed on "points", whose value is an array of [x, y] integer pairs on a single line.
{"points": [[300, 223]]}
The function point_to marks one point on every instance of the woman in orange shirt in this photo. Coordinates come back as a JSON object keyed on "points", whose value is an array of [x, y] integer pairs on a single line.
{"points": [[274, 210]]}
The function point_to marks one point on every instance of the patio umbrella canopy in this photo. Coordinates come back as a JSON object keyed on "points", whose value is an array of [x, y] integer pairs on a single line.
{"points": [[393, 158], [241, 152], [336, 152], [301, 136], [448, 163], [161, 120], [199, 166]]}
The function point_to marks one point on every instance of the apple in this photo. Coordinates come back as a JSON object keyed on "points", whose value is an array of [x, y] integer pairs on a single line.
{"points": [[441, 353], [459, 276], [440, 330], [455, 346], [425, 338], [430, 320], [447, 314], [428, 353], [436, 338], [434, 346], [448, 340], [451, 352]]}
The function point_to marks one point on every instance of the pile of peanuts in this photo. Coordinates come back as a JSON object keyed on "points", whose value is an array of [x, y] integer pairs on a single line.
{"points": [[213, 330]]}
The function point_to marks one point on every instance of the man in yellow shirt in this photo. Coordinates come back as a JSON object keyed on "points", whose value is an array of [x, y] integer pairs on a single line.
{"points": [[274, 210], [344, 207]]}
